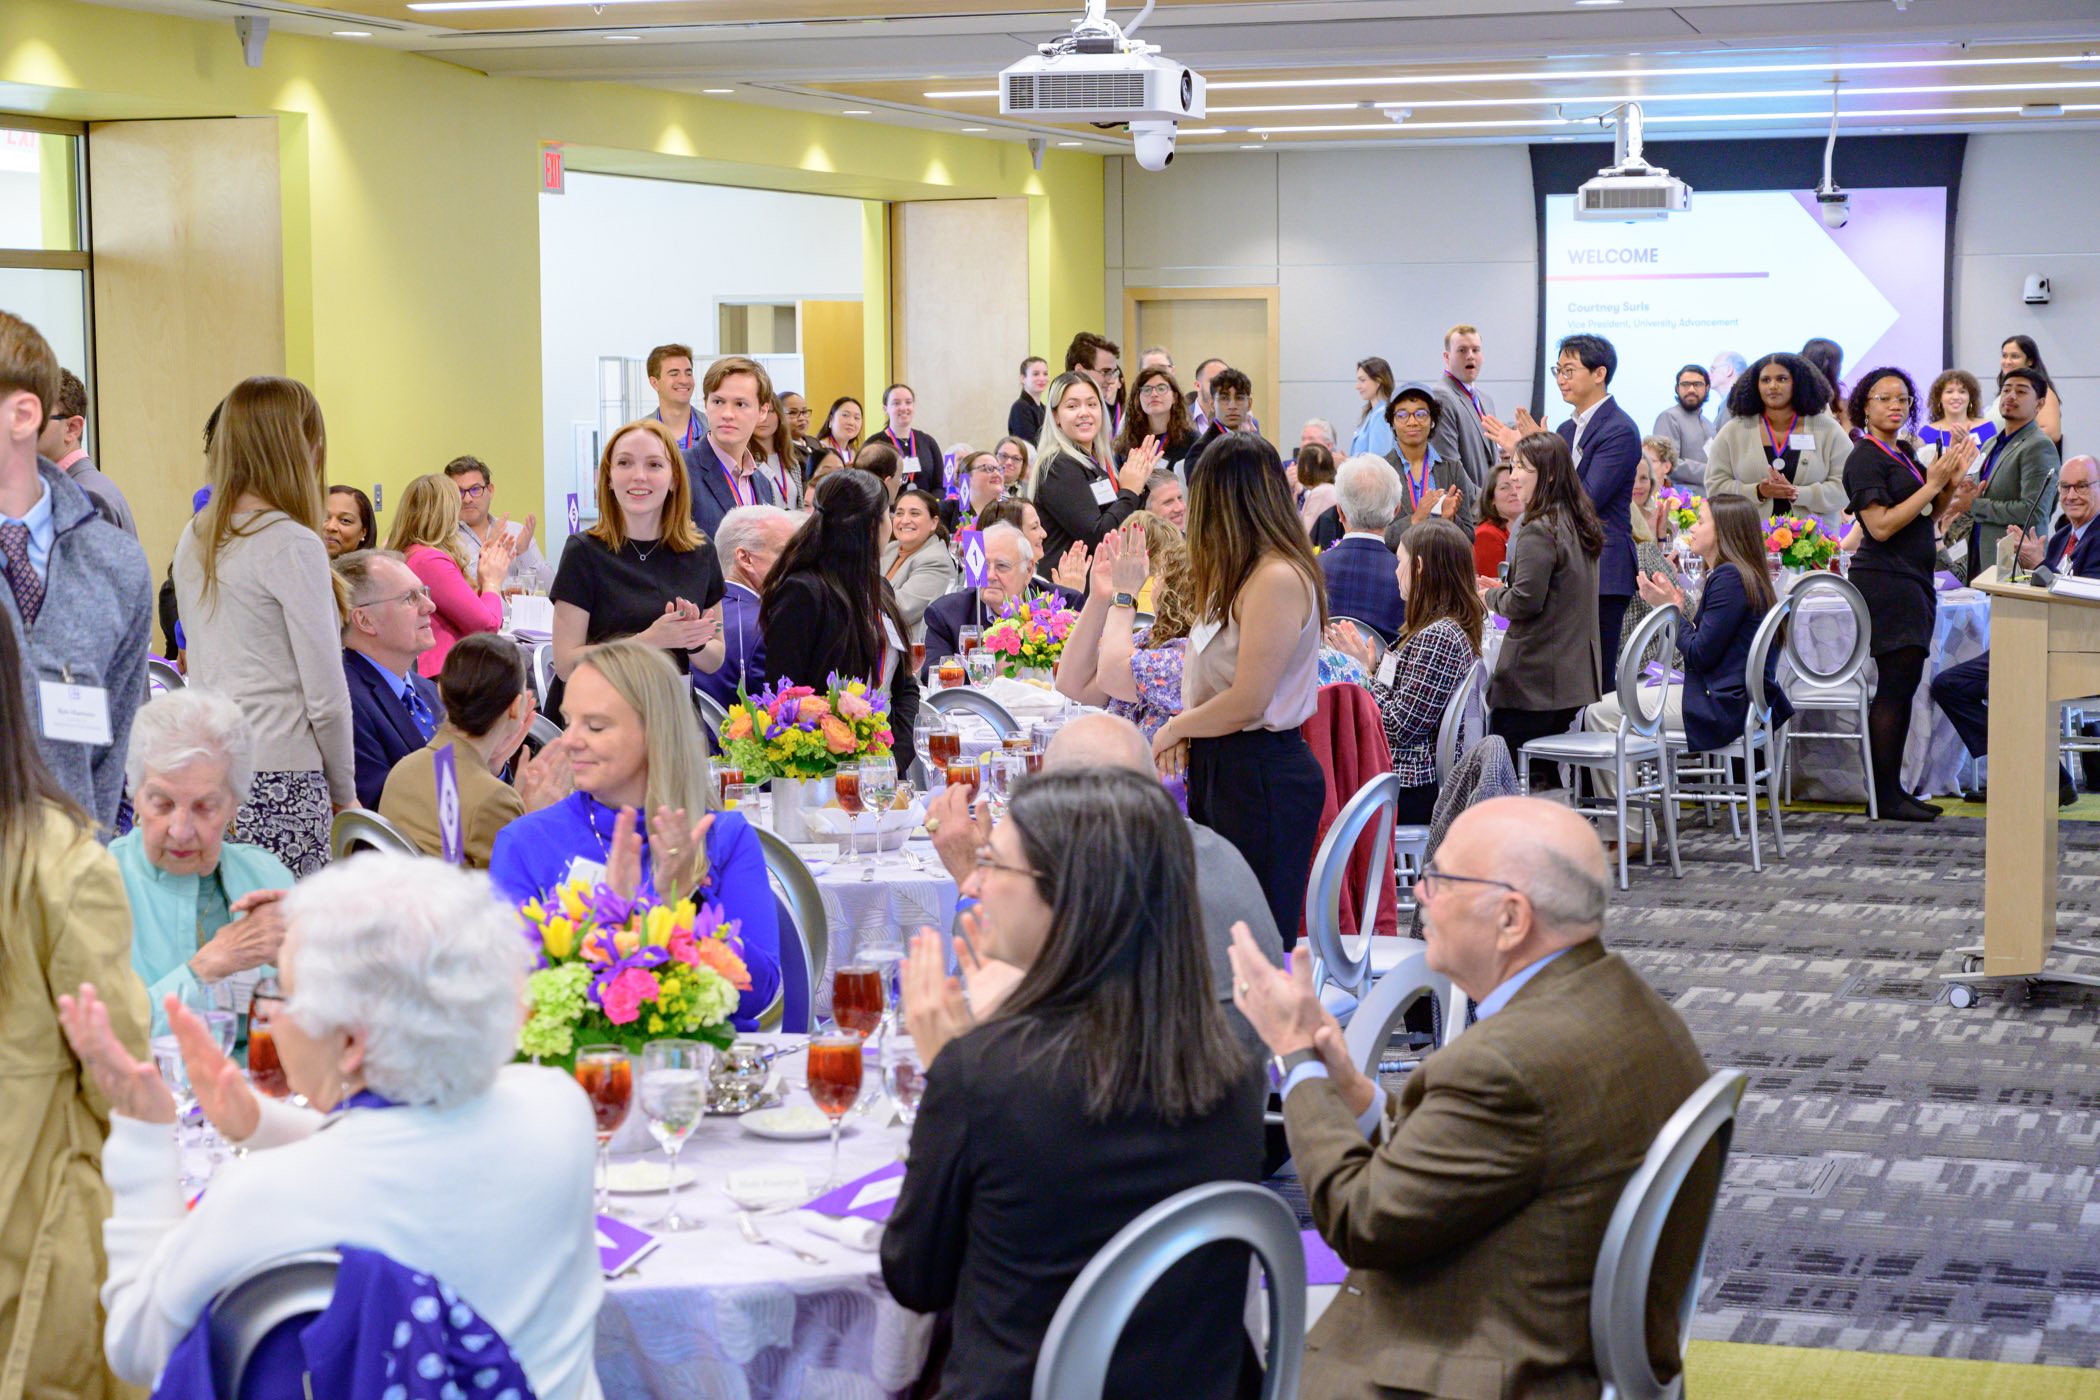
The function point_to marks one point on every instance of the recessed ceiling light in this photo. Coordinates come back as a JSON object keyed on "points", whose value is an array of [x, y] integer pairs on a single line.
{"points": [[1252, 147], [2042, 109], [1527, 76], [976, 128], [1069, 143], [717, 92], [1599, 2], [854, 112], [352, 33], [624, 38]]}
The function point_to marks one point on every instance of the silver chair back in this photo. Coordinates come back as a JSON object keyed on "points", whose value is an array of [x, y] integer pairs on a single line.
{"points": [[1625, 1262], [1759, 717], [1073, 1364], [805, 906], [542, 670], [1465, 714], [1656, 635], [262, 1300], [542, 732], [1370, 635], [961, 700], [163, 674], [1375, 806], [1855, 661], [361, 828], [713, 715], [1380, 1012]]}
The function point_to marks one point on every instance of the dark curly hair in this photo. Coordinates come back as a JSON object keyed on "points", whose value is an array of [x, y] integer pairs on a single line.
{"points": [[1856, 406], [1812, 392]]}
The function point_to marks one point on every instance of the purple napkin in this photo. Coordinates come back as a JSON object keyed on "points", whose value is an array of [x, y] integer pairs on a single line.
{"points": [[620, 1245], [1945, 582], [841, 1201], [1322, 1264], [1501, 622], [1653, 671]]}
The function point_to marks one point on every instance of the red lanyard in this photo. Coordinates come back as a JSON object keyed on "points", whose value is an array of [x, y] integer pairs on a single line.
{"points": [[1416, 485], [907, 449], [692, 428], [1908, 464], [1467, 390], [1779, 444], [731, 473]]}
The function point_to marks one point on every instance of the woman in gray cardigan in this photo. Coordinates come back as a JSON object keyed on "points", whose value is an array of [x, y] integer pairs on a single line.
{"points": [[258, 606], [1549, 665], [916, 559]]}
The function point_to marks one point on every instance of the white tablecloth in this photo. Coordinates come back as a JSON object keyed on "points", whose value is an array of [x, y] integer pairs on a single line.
{"points": [[1934, 762], [711, 1316], [888, 897]]}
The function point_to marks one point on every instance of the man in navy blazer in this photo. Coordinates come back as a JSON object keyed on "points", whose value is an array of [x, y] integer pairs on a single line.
{"points": [[749, 542], [393, 710], [723, 471], [1607, 447], [1963, 692], [1362, 574], [1007, 561]]}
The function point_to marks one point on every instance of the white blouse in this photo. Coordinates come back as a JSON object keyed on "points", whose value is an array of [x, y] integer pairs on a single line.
{"points": [[493, 1196]]}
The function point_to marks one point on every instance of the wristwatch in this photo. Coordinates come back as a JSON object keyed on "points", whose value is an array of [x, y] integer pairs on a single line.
{"points": [[1286, 1063], [1125, 600]]}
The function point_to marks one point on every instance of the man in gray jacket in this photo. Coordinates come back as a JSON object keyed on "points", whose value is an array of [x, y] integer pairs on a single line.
{"points": [[62, 441], [1460, 435], [76, 591]]}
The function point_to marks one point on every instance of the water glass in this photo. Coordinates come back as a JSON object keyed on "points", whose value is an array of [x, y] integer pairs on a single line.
{"points": [[1002, 769], [212, 1003], [607, 1076], [978, 665], [674, 1096], [903, 1076], [878, 788]]}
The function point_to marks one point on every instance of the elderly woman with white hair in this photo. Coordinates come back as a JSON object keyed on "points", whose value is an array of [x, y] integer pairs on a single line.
{"points": [[402, 979], [203, 909]]}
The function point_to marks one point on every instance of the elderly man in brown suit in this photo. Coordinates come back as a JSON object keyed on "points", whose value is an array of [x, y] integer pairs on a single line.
{"points": [[1471, 1207]]}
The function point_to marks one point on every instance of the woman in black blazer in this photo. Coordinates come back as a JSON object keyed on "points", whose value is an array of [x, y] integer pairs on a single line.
{"points": [[1104, 1082], [1714, 700], [1077, 495], [826, 607]]}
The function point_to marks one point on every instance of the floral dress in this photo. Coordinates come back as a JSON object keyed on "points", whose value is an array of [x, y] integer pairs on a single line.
{"points": [[1157, 671]]}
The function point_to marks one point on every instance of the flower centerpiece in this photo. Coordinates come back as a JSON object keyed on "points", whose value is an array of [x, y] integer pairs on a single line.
{"points": [[1029, 636], [624, 971], [799, 737], [1799, 542], [1683, 506]]}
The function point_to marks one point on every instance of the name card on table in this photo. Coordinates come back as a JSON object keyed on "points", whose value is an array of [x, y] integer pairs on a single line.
{"points": [[969, 547], [871, 1197], [531, 614], [621, 1246]]}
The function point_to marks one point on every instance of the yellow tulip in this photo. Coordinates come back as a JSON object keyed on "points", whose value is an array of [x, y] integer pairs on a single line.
{"points": [[572, 901], [658, 927], [558, 938]]}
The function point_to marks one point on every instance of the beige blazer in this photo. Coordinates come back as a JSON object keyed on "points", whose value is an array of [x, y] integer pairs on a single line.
{"points": [[1471, 1229], [487, 804]]}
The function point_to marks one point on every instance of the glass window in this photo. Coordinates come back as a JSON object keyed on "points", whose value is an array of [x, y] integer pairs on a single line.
{"points": [[54, 300], [39, 192]]}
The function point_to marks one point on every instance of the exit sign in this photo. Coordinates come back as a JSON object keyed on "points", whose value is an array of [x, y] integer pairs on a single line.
{"points": [[550, 169]]}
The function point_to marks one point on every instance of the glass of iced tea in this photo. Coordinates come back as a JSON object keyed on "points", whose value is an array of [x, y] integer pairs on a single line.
{"points": [[265, 1071], [607, 1076], [967, 640], [727, 776], [835, 1070], [856, 998], [952, 672], [962, 771], [943, 748], [846, 783], [918, 658]]}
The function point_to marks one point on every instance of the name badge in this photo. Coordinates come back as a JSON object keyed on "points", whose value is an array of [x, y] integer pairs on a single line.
{"points": [[74, 714], [1104, 492], [889, 631], [1201, 634], [582, 869], [1388, 668], [1802, 442]]}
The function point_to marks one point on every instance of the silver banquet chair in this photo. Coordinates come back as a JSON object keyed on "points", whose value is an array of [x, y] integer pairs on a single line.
{"points": [[361, 828], [1635, 748], [962, 700], [803, 903], [542, 671], [1073, 1364], [163, 674], [1385, 1006], [1626, 1260], [1371, 809], [290, 1289], [1465, 714], [713, 715], [1711, 777], [1841, 690]]}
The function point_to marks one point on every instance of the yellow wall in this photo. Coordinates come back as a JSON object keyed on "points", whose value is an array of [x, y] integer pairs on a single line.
{"points": [[411, 238]]}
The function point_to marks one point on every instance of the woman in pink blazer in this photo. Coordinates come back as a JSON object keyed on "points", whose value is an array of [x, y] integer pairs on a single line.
{"points": [[426, 533]]}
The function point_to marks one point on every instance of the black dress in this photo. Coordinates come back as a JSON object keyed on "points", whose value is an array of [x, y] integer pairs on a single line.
{"points": [[625, 590], [1894, 575], [1025, 420], [1010, 1190]]}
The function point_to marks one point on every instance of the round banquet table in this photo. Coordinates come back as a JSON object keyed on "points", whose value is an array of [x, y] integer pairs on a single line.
{"points": [[886, 899], [710, 1314]]}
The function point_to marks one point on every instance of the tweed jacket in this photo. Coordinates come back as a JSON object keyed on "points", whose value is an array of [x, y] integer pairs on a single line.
{"points": [[1471, 1229]]}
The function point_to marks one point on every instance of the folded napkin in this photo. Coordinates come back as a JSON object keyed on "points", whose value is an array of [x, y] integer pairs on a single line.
{"points": [[1653, 671], [1945, 582], [862, 1235]]}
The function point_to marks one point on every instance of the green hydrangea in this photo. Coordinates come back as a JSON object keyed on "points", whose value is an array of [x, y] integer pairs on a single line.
{"points": [[556, 996], [709, 996]]}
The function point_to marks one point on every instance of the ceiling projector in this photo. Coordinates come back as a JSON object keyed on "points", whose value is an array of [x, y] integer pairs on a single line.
{"points": [[1630, 189], [1097, 74]]}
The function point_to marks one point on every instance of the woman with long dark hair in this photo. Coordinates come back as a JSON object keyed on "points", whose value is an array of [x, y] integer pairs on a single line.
{"points": [[1549, 665], [1106, 1081], [1374, 429], [349, 525], [1439, 643], [1899, 503], [1714, 641], [64, 920], [843, 422], [2020, 352], [1251, 677], [1781, 448], [1162, 414], [826, 606]]}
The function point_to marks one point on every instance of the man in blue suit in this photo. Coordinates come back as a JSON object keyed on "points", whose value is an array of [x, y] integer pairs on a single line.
{"points": [[393, 711], [1362, 578], [748, 541], [724, 471], [1963, 692], [1607, 447]]}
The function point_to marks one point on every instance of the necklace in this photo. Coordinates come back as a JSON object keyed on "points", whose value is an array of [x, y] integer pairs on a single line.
{"points": [[642, 555]]}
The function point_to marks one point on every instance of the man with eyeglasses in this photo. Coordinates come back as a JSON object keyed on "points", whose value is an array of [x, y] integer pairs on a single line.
{"points": [[1101, 360], [477, 494], [1684, 424], [393, 710], [1471, 1206], [1963, 692]]}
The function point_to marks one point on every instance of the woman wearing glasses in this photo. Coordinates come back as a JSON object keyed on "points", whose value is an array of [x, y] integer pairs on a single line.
{"points": [[258, 607], [1041, 1134], [1162, 415], [1434, 486]]}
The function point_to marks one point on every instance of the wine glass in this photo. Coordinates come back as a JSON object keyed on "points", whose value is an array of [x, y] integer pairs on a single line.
{"points": [[265, 1070], [943, 747], [607, 1076], [878, 788], [903, 1076], [978, 665], [674, 1095], [846, 783], [884, 951], [856, 998], [835, 1072], [968, 639], [212, 1003], [1002, 769]]}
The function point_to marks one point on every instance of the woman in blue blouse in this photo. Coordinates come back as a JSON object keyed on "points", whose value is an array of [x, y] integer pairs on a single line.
{"points": [[634, 743]]}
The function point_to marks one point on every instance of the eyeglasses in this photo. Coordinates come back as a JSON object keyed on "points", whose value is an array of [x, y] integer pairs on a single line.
{"points": [[473, 493], [2063, 486], [1112, 372], [414, 595], [1898, 400], [1156, 389], [1432, 879], [987, 861], [1009, 459], [1410, 415], [1565, 371]]}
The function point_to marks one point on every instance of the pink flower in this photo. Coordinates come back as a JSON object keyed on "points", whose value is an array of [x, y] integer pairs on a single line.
{"points": [[683, 948], [624, 995], [853, 706]]}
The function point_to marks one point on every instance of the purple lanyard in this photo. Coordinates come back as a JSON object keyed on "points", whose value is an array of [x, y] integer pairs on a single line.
{"points": [[1415, 485], [692, 428], [907, 449]]}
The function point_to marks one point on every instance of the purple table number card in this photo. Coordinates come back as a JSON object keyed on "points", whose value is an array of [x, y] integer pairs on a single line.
{"points": [[621, 1246], [575, 513], [969, 545], [448, 804], [871, 1197]]}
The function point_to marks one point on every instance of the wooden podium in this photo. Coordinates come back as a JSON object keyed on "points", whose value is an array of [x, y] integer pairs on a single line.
{"points": [[2045, 649]]}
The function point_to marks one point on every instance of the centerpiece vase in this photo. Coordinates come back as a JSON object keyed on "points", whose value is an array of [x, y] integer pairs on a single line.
{"points": [[793, 801]]}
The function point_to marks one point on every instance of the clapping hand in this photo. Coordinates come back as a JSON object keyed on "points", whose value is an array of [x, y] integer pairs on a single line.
{"points": [[935, 1010], [1775, 486], [1101, 578], [222, 1091], [496, 555], [623, 862], [1070, 571], [958, 833], [1485, 584], [986, 981], [1499, 432], [133, 1087], [2030, 546], [1527, 425], [1657, 591], [1966, 491], [1132, 563], [676, 850], [681, 628], [1286, 1013], [1137, 467], [545, 778], [1350, 642]]}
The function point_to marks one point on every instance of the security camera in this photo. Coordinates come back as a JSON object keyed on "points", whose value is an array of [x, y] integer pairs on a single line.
{"points": [[1835, 207], [2037, 291], [1155, 144]]}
